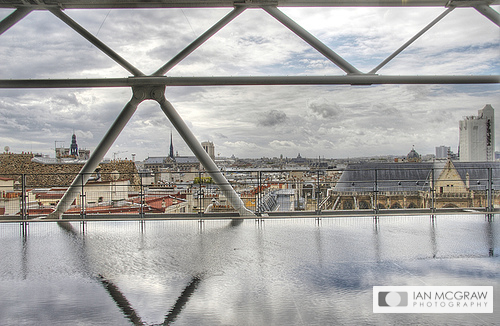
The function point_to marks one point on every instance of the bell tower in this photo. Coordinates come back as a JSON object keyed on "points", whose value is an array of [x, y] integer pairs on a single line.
{"points": [[74, 146]]}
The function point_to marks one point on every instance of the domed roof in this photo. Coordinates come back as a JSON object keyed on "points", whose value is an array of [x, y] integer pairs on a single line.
{"points": [[413, 155]]}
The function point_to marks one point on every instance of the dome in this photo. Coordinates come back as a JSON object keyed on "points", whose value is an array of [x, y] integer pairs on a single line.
{"points": [[413, 156]]}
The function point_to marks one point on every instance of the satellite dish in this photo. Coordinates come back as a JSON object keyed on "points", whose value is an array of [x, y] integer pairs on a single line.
{"points": [[6, 149]]}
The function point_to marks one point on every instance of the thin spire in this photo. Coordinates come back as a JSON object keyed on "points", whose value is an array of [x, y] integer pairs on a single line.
{"points": [[171, 155]]}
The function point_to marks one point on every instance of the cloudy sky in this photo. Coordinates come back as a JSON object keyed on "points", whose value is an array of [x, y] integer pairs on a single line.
{"points": [[250, 121]]}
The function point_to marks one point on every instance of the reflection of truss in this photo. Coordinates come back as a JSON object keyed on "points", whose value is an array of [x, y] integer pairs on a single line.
{"points": [[119, 297], [152, 87]]}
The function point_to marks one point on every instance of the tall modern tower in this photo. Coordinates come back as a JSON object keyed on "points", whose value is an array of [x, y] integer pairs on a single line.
{"points": [[477, 136], [443, 152]]}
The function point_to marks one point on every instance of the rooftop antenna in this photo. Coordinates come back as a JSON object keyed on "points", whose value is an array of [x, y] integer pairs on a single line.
{"points": [[55, 145]]}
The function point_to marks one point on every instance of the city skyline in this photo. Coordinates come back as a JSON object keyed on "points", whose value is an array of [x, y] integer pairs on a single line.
{"points": [[253, 121]]}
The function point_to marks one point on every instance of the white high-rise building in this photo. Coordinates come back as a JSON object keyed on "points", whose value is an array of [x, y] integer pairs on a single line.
{"points": [[477, 136], [443, 152]]}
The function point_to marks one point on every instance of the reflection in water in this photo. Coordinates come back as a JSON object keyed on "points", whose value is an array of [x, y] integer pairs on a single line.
{"points": [[236, 222], [174, 312], [116, 294], [433, 236], [121, 301], [319, 250], [490, 235], [376, 238], [24, 248], [271, 271]]}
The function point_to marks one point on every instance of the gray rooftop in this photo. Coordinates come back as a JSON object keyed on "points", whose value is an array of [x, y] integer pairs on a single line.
{"points": [[155, 160], [412, 176], [186, 159]]}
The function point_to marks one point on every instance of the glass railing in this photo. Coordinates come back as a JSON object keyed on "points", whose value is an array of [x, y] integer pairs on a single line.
{"points": [[264, 192]]}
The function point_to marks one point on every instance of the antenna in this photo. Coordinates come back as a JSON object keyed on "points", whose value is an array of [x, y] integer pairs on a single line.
{"points": [[55, 145]]}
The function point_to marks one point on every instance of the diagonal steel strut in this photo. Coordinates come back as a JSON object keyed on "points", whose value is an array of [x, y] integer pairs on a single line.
{"points": [[200, 40], [489, 13], [204, 158], [96, 42], [140, 94], [13, 18], [311, 40], [98, 154], [410, 41]]}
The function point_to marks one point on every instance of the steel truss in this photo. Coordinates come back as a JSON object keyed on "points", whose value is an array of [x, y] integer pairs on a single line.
{"points": [[152, 87]]}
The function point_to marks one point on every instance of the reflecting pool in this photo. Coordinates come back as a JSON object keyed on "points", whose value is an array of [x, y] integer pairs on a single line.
{"points": [[245, 272]]}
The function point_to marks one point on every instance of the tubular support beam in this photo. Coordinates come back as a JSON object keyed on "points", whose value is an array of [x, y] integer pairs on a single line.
{"points": [[97, 156], [13, 18], [489, 13], [311, 40], [204, 158], [96, 42], [131, 4], [413, 39], [363, 79], [141, 94], [200, 40]]}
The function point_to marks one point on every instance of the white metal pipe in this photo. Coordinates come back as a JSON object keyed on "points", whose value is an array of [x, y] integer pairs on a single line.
{"points": [[13, 18], [96, 42], [489, 13], [311, 40], [199, 41], [97, 156], [131, 4], [362, 79], [413, 39], [204, 158]]}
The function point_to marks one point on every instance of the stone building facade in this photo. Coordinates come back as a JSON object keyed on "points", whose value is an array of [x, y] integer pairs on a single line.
{"points": [[443, 184]]}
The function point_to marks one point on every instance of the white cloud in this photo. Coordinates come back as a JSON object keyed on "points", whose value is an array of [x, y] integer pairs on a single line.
{"points": [[253, 121]]}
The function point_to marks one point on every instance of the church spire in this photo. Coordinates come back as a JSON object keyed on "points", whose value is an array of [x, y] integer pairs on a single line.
{"points": [[171, 155]]}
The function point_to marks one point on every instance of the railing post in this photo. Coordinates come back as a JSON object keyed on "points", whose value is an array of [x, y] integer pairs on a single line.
{"points": [[318, 194], [83, 203], [24, 215], [141, 199], [200, 199], [258, 193], [375, 193], [490, 190], [24, 211], [433, 192]]}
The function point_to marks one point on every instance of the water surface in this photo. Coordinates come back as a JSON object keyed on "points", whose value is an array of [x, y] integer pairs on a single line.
{"points": [[274, 272]]}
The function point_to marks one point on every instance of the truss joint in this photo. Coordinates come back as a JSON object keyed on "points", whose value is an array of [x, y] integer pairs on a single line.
{"points": [[467, 3], [149, 92], [255, 3]]}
